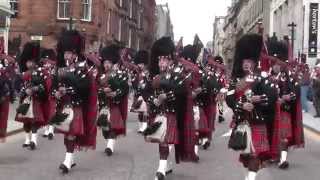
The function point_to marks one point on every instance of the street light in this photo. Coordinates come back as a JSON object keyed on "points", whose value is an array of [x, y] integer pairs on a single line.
{"points": [[292, 26]]}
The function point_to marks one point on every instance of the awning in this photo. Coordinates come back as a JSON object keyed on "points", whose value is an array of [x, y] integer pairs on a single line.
{"points": [[5, 11]]}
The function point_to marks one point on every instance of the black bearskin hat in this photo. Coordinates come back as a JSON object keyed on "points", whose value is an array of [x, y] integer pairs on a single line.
{"points": [[111, 53], [48, 53], [278, 49], [141, 57], [218, 59], [248, 47], [190, 52], [162, 47], [31, 51], [69, 41]]}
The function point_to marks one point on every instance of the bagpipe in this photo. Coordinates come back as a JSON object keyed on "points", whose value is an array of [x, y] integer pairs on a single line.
{"points": [[286, 85], [210, 85], [139, 85], [37, 86], [171, 83], [73, 88], [117, 81], [255, 85]]}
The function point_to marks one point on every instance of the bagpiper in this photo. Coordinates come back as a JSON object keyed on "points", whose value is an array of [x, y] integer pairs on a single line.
{"points": [[113, 97], [170, 101], [214, 73], [48, 63], [253, 100], [139, 79], [287, 128], [31, 110], [220, 71], [7, 94], [75, 112]]}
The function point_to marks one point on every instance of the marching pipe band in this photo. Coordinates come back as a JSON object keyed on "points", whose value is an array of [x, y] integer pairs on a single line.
{"points": [[176, 97]]}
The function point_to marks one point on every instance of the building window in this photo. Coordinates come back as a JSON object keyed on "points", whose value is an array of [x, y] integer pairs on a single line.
{"points": [[14, 7], [86, 10], [63, 9]]}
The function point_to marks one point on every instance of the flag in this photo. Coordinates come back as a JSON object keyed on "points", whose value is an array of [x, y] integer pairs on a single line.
{"points": [[179, 46], [197, 42]]}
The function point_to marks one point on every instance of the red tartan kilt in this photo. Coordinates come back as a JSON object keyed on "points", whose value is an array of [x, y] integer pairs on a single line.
{"points": [[38, 113], [260, 139], [4, 112], [76, 126], [118, 124], [285, 126], [50, 109], [172, 136], [203, 126], [210, 112]]}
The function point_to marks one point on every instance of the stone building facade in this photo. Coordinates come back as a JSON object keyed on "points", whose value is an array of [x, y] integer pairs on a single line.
{"points": [[164, 25], [100, 21], [218, 35], [5, 14]]}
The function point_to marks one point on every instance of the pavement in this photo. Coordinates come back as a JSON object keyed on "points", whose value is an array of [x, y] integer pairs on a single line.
{"points": [[13, 126], [309, 121], [136, 160]]}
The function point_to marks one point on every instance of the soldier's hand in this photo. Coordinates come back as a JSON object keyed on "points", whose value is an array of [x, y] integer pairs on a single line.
{"points": [[111, 94], [58, 94], [256, 99], [29, 92], [62, 90], [286, 97], [248, 106], [107, 90], [162, 97]]}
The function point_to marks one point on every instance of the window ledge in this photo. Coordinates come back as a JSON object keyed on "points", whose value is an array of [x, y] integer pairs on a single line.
{"points": [[63, 19], [86, 20]]}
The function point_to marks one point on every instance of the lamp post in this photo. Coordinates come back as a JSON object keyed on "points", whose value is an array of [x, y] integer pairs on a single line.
{"points": [[292, 26]]}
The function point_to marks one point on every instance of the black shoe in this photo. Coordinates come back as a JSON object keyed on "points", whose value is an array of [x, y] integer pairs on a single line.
{"points": [[160, 176], [73, 165], [50, 136], [206, 145], [196, 159], [25, 145], [284, 165], [32, 146], [64, 169], [108, 151], [169, 171], [316, 116], [221, 119]]}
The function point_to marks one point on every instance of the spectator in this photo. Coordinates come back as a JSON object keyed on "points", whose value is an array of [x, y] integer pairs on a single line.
{"points": [[305, 84], [316, 88]]}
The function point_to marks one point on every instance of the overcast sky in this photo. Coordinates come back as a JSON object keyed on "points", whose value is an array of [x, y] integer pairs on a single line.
{"points": [[195, 16]]}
